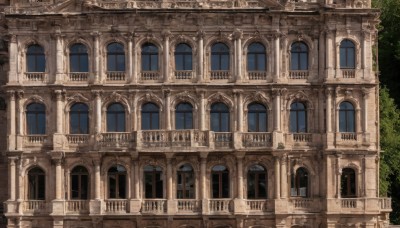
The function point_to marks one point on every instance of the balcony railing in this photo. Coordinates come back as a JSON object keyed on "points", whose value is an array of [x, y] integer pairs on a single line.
{"points": [[150, 75], [385, 203], [77, 206], [35, 77], [78, 138], [220, 205], [115, 139], [298, 74], [188, 205], [349, 73], [220, 74], [183, 74], [257, 75], [348, 136], [78, 76], [116, 206], [176, 138], [302, 137], [35, 206], [115, 75], [349, 203], [256, 205], [35, 139], [223, 139], [257, 139], [157, 206]]}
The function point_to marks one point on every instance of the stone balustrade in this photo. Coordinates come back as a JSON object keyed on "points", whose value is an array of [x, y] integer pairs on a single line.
{"points": [[150, 75], [257, 75], [188, 205], [78, 138], [220, 205], [183, 74], [115, 139], [220, 74], [35, 139], [78, 77], [223, 139], [154, 206], [302, 137], [257, 139], [299, 74], [35, 207], [77, 206], [35, 77], [256, 205], [115, 76], [348, 73], [385, 204], [116, 206], [350, 203]]}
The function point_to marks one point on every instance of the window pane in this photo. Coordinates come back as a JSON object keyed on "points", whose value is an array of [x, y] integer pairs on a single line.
{"points": [[350, 121], [111, 123], [112, 185], [251, 62], [84, 186], [252, 122], [262, 122], [293, 121], [215, 62], [41, 187], [342, 121], [350, 58], [343, 58], [225, 185], [145, 62], [188, 62], [148, 179], [262, 188], [75, 187], [159, 186], [215, 185], [261, 62], [145, 121], [302, 121], [224, 122], [121, 122], [122, 186], [188, 121], [225, 62], [303, 61], [215, 122], [154, 62], [31, 63], [155, 121], [121, 63], [179, 121], [294, 62], [251, 191], [111, 63], [179, 62]]}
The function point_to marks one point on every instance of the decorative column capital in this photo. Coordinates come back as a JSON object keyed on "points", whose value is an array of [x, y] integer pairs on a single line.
{"points": [[201, 34], [329, 91], [13, 160], [365, 92], [166, 92], [97, 93], [95, 34], [203, 156], [11, 95], [240, 155], [276, 93], [166, 34], [237, 34], [201, 92], [59, 94]]}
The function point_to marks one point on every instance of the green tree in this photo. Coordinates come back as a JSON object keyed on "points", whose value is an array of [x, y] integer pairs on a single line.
{"points": [[390, 145]]}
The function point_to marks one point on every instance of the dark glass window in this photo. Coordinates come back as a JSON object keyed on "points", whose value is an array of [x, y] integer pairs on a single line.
{"points": [[184, 116], [150, 117], [116, 118], [115, 57], [35, 59], [257, 182], [219, 57], [298, 117], [117, 182], [220, 182], [78, 58], [219, 117], [185, 182], [348, 183], [183, 57], [36, 184], [347, 55], [153, 182], [346, 117], [149, 57], [79, 119], [36, 119], [79, 183], [257, 118], [299, 56], [300, 183], [256, 57]]}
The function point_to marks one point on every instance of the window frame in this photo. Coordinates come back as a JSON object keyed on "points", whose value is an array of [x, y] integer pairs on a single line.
{"points": [[219, 117], [299, 53], [37, 114], [79, 55], [149, 55], [257, 117], [347, 49], [154, 189], [37, 57], [72, 113], [220, 173], [183, 174], [296, 182], [114, 55], [185, 114], [348, 115], [117, 174], [348, 185], [297, 118], [39, 175], [185, 55], [219, 54], [81, 182], [257, 182], [116, 118], [150, 113], [257, 55]]}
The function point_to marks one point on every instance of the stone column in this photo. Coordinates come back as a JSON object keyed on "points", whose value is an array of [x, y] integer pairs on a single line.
{"points": [[13, 51], [12, 124], [13, 176], [137, 179], [238, 35], [202, 110], [58, 179], [239, 159], [171, 204], [167, 107], [328, 109], [329, 53], [200, 37], [59, 58], [203, 180], [285, 60], [239, 104], [166, 35], [135, 61], [135, 203], [59, 112], [277, 112], [284, 184], [130, 62], [338, 176], [96, 57], [97, 179], [276, 57], [365, 93], [277, 177], [97, 95]]}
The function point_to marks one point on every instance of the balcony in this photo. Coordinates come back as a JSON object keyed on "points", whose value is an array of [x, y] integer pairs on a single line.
{"points": [[115, 139], [78, 139], [183, 74], [257, 75], [150, 75], [348, 73], [115, 76], [220, 74], [220, 206], [188, 206], [223, 139], [304, 204], [347, 139], [385, 204], [154, 206], [35, 77], [36, 207], [299, 74], [256, 139], [116, 206], [175, 138], [78, 77], [254, 206], [77, 207]]}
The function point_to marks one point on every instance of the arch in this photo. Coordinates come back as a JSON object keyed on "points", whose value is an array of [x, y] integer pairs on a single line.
{"points": [[184, 97], [75, 40], [154, 40], [256, 39], [300, 38], [219, 39], [183, 39], [149, 97], [258, 97], [76, 98], [116, 98], [353, 101], [219, 97]]}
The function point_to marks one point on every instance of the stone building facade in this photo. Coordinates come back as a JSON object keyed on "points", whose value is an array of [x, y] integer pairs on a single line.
{"points": [[195, 113]]}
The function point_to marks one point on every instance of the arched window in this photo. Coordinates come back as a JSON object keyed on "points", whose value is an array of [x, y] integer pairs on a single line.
{"points": [[183, 57], [150, 116], [115, 57], [347, 54], [116, 118], [117, 182], [185, 182], [36, 119], [257, 184], [220, 182], [219, 117], [219, 57], [299, 56], [348, 183], [35, 59], [79, 119], [298, 117], [256, 57], [153, 182], [346, 117], [36, 184], [149, 57], [78, 58], [300, 183], [257, 118], [184, 116], [80, 183]]}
